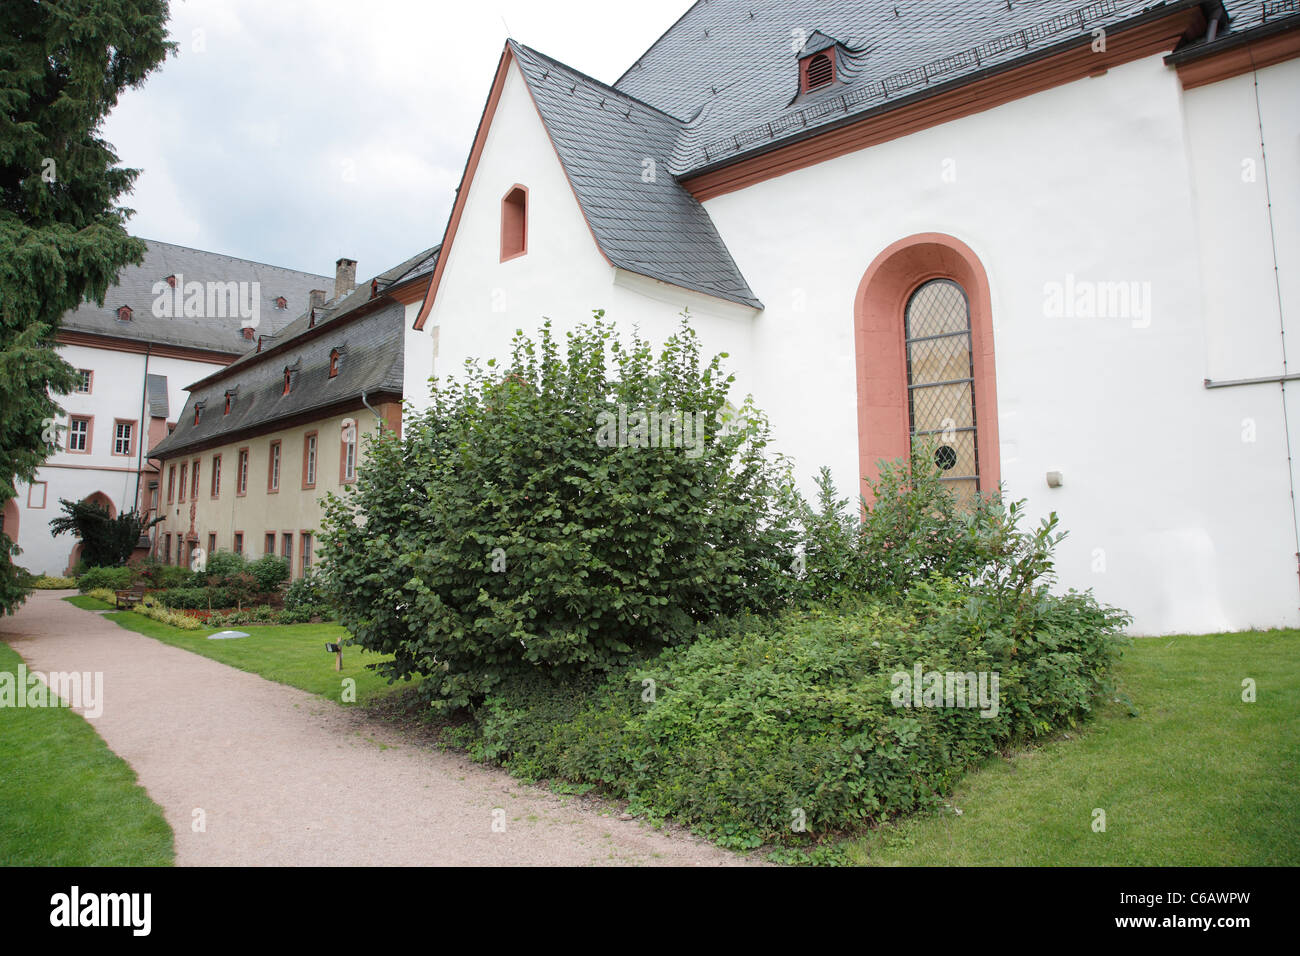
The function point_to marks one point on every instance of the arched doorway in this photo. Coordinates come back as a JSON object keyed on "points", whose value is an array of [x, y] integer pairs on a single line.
{"points": [[923, 330], [95, 498], [104, 501]]}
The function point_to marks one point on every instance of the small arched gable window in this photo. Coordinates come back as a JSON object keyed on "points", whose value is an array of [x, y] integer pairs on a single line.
{"points": [[514, 223], [288, 378], [334, 362]]}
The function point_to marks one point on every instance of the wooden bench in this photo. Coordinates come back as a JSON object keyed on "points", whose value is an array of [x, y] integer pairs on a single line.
{"points": [[128, 598]]}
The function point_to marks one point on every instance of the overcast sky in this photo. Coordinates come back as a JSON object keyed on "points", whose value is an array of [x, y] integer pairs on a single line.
{"points": [[294, 132]]}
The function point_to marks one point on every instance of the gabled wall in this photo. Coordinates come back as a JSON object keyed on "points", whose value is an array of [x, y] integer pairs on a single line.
{"points": [[481, 300]]}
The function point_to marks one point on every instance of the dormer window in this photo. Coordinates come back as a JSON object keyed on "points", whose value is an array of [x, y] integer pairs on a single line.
{"points": [[124, 313], [198, 412], [230, 399], [819, 62], [514, 223], [334, 362], [817, 71], [311, 319], [288, 379], [281, 303]]}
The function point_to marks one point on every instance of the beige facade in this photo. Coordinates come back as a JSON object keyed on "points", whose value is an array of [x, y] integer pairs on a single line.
{"points": [[263, 494]]}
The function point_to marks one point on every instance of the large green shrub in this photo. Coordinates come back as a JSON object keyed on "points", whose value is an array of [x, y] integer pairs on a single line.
{"points": [[115, 579], [525, 521], [768, 726], [269, 571], [159, 575], [218, 566]]}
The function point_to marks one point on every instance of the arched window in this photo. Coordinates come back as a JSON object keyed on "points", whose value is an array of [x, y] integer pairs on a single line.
{"points": [[941, 381], [288, 378], [514, 223], [334, 362], [923, 330]]}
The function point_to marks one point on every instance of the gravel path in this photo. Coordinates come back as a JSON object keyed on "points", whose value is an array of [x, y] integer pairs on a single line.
{"points": [[287, 778]]}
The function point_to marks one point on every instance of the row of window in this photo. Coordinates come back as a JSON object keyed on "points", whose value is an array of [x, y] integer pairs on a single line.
{"points": [[185, 549], [81, 433], [190, 472], [335, 355]]}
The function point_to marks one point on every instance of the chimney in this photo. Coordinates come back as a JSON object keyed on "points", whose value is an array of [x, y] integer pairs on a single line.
{"points": [[317, 299], [345, 276]]}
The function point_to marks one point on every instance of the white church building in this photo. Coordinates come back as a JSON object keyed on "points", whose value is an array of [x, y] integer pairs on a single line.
{"points": [[1061, 236]]}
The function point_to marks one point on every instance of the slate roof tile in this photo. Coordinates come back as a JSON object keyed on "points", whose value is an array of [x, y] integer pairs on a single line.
{"points": [[135, 284]]}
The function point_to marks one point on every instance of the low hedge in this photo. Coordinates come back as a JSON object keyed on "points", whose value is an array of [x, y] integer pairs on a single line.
{"points": [[47, 583], [760, 728], [150, 608]]}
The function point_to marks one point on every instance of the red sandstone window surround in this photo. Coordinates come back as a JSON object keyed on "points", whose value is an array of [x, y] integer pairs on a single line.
{"points": [[514, 223]]}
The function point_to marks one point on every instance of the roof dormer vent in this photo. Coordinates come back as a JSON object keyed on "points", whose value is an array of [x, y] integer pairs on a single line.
{"points": [[818, 62]]}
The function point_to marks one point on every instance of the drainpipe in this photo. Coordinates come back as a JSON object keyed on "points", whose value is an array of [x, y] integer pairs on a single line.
{"points": [[1281, 314], [378, 418], [144, 431], [1214, 26]]}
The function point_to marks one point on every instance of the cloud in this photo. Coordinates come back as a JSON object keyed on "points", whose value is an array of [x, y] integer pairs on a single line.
{"points": [[299, 131]]}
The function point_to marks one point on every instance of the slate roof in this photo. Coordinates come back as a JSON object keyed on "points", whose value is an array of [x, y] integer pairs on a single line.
{"points": [[723, 83], [728, 68], [371, 347], [156, 389], [135, 285], [333, 311], [644, 221]]}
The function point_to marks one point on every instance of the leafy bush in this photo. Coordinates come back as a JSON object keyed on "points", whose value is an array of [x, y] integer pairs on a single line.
{"points": [[241, 588], [306, 599], [159, 575], [115, 579], [47, 583], [269, 571], [520, 523], [195, 599], [916, 528], [103, 594], [219, 566], [767, 723]]}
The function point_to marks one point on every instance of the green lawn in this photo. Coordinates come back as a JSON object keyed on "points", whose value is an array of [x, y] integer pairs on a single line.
{"points": [[1197, 778], [292, 654], [66, 799], [88, 603]]}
